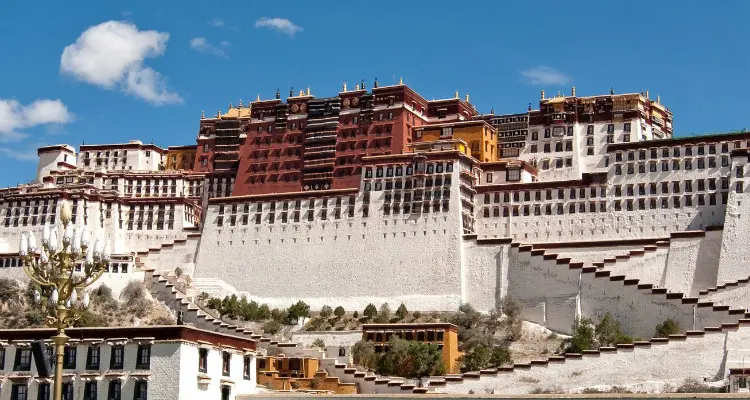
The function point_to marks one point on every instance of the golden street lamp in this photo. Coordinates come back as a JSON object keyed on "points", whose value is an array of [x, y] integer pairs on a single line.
{"points": [[52, 266]]}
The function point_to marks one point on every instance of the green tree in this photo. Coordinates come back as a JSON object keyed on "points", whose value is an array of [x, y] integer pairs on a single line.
{"points": [[264, 313], [384, 316], [583, 337], [370, 311], [319, 343], [298, 310], [666, 328], [512, 311], [355, 314], [326, 312], [339, 312], [478, 357], [401, 312], [363, 354], [416, 314], [410, 359]]}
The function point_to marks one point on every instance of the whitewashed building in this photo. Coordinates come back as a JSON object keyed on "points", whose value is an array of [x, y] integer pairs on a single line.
{"points": [[155, 362]]}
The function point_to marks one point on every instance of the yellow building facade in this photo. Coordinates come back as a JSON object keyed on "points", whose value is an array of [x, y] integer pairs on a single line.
{"points": [[180, 157], [479, 135], [444, 335], [298, 374]]}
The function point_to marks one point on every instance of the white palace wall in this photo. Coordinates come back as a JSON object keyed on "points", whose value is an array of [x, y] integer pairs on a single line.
{"points": [[735, 251], [414, 258], [705, 358]]}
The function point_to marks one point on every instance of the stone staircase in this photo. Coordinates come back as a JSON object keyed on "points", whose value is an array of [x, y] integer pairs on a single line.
{"points": [[180, 253], [163, 289]]}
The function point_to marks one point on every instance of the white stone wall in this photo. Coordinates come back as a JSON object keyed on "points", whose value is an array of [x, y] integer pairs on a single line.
{"points": [[639, 369], [349, 261], [734, 249], [692, 263], [188, 374], [485, 273], [48, 162]]}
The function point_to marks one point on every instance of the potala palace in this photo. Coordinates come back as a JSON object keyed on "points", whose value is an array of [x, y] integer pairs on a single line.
{"points": [[577, 207]]}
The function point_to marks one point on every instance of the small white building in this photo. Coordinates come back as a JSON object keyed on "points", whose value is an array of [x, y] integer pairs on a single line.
{"points": [[152, 362]]}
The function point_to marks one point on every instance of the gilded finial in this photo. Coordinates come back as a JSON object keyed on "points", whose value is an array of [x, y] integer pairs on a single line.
{"points": [[658, 99], [344, 87], [401, 80], [456, 94], [467, 97], [258, 98], [492, 111], [558, 94], [230, 106], [240, 105], [357, 86], [301, 92], [573, 91], [218, 114], [203, 114], [308, 90], [542, 94]]}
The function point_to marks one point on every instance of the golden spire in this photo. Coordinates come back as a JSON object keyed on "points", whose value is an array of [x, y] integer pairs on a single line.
{"points": [[647, 93], [357, 86], [456, 94], [301, 92], [230, 106], [344, 87], [308, 90], [218, 114], [558, 94], [573, 91], [401, 80], [258, 98], [542, 94], [240, 106], [467, 97], [203, 114], [658, 99]]}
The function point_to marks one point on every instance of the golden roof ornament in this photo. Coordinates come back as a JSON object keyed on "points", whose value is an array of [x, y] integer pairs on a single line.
{"points": [[240, 106], [230, 106], [401, 80], [658, 99], [218, 114], [258, 98], [573, 91], [203, 114], [344, 87], [301, 92], [467, 97], [456, 94], [542, 94], [357, 86], [308, 90]]}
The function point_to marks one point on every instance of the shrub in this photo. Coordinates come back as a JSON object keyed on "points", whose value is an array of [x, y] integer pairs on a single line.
{"points": [[214, 303], [402, 312], [692, 385], [478, 357], [203, 296], [133, 291], [339, 312], [272, 327], [355, 314], [319, 343], [500, 356], [8, 289], [104, 293], [370, 311], [326, 312], [608, 332], [35, 318], [512, 311], [411, 359], [666, 328], [416, 314], [162, 320], [583, 336], [178, 272], [88, 318]]}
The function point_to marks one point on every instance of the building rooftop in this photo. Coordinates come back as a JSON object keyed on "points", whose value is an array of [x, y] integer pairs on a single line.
{"points": [[156, 333]]}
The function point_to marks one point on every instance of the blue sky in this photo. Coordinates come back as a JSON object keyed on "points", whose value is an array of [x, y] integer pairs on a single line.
{"points": [[109, 71]]}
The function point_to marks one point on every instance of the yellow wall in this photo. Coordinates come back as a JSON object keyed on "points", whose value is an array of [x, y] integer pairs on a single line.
{"points": [[480, 137], [319, 381], [178, 159], [308, 366]]}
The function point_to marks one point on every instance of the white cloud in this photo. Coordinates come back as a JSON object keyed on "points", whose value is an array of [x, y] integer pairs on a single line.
{"points": [[545, 76], [282, 25], [202, 45], [216, 22], [15, 116], [111, 55], [27, 155]]}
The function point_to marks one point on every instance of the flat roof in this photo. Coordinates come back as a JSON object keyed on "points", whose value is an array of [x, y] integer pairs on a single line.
{"points": [[158, 333]]}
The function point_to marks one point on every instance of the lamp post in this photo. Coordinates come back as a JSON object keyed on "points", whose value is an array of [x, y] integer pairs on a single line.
{"points": [[51, 266]]}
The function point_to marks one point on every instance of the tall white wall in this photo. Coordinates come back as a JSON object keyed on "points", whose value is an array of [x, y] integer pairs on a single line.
{"points": [[734, 249]]}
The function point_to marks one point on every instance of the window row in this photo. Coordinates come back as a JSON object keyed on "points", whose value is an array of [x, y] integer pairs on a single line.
{"points": [[409, 208], [676, 165], [23, 358], [407, 184], [408, 169], [20, 391]]}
